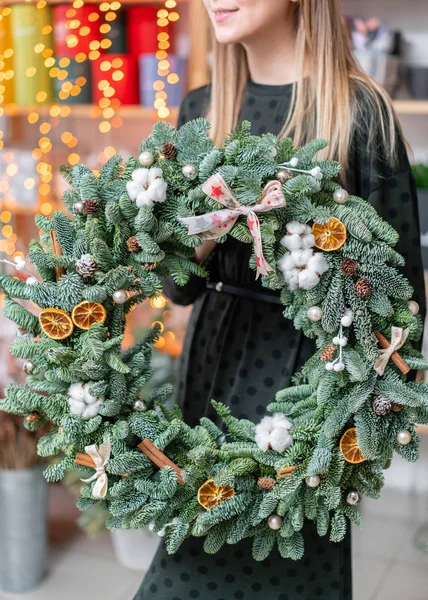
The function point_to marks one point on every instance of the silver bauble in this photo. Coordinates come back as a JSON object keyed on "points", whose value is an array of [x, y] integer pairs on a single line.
{"points": [[413, 307], [315, 314], [404, 437], [353, 497], [29, 367], [313, 481], [189, 171], [340, 196], [346, 321], [78, 208], [146, 159], [140, 406], [120, 296], [275, 522]]}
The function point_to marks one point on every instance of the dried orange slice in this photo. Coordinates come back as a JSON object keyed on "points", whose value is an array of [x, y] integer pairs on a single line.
{"points": [[56, 323], [87, 313], [349, 447], [210, 495], [329, 236]]}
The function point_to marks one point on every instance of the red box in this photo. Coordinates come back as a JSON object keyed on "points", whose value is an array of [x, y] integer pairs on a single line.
{"points": [[122, 75], [142, 30], [85, 24]]}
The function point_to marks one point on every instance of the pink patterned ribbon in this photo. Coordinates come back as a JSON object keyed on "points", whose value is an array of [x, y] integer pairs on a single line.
{"points": [[215, 224]]}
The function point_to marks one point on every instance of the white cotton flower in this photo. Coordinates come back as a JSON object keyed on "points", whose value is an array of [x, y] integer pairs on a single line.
{"points": [[133, 188], [292, 279], [287, 262], [81, 400], [155, 173], [308, 279], [318, 263], [144, 198], [157, 190], [308, 240], [296, 227], [301, 257], [292, 241], [141, 176], [147, 187], [273, 433]]}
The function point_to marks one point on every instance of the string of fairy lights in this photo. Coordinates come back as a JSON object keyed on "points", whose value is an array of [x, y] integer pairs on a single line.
{"points": [[46, 117]]}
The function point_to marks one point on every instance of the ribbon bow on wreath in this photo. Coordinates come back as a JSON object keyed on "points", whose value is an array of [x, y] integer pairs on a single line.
{"points": [[398, 338], [100, 456], [215, 224]]}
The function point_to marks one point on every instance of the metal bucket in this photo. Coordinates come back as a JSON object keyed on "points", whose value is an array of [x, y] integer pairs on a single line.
{"points": [[23, 529]]}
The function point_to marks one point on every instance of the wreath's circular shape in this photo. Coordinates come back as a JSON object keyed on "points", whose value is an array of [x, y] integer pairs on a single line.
{"points": [[131, 225]]}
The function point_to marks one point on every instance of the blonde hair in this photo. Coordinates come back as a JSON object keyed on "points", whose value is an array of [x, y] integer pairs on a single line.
{"points": [[324, 95]]}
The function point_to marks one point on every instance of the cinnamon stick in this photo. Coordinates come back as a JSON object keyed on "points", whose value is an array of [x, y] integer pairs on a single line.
{"points": [[59, 271], [159, 458], [395, 357], [86, 461]]}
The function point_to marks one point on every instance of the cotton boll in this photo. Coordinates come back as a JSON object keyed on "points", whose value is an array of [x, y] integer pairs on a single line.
{"points": [[144, 199], [133, 188], [292, 279], [141, 176], [77, 392], [292, 241], [308, 240], [262, 439], [287, 262], [296, 227], [280, 439], [301, 257], [318, 263], [280, 420], [155, 173], [157, 190], [264, 425], [76, 407], [308, 279], [308, 229], [91, 410]]}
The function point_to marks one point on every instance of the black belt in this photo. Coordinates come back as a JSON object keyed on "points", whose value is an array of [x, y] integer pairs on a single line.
{"points": [[225, 288]]}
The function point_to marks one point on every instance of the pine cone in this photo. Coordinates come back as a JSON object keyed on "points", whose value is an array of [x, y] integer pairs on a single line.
{"points": [[363, 287], [328, 352], [86, 266], [349, 267], [133, 245], [395, 407], [90, 207], [266, 483], [169, 151], [381, 405], [33, 417]]}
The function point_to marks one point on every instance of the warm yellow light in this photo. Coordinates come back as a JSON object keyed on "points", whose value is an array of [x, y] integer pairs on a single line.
{"points": [[83, 31], [162, 95], [66, 86], [78, 3], [5, 216], [73, 142], [104, 102], [173, 16], [109, 151], [118, 76], [30, 71], [160, 342], [71, 41], [55, 111], [105, 44], [39, 48], [3, 244], [116, 63], [162, 13], [41, 96], [110, 16], [66, 137], [108, 113], [160, 54], [7, 231], [164, 45], [164, 64], [65, 111], [45, 128], [54, 71], [64, 62], [63, 74], [117, 122], [103, 84], [94, 45], [162, 22], [105, 28], [4, 186], [170, 3], [10, 248], [75, 90], [105, 65], [163, 36], [104, 126], [6, 11], [49, 62], [93, 17], [115, 5], [159, 324], [104, 6], [73, 158], [12, 169], [44, 142], [47, 53], [94, 55], [33, 118], [46, 177], [158, 85], [29, 183], [44, 189], [173, 78], [8, 74], [74, 24], [159, 103], [63, 95], [163, 113], [36, 153], [80, 57], [109, 92], [81, 81], [157, 302], [47, 29], [46, 208], [41, 4]]}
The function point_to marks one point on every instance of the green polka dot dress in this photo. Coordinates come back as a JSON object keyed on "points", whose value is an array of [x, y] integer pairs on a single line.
{"points": [[241, 351]]}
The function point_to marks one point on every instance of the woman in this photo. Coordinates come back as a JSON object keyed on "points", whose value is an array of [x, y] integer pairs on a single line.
{"points": [[286, 66]]}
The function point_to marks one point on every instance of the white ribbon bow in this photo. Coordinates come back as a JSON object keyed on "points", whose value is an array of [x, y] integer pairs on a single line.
{"points": [[219, 222], [100, 456], [398, 337]]}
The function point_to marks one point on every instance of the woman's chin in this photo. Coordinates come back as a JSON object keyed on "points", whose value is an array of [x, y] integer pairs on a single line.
{"points": [[228, 35]]}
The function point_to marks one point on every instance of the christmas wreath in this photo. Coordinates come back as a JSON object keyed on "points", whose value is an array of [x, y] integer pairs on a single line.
{"points": [[330, 435]]}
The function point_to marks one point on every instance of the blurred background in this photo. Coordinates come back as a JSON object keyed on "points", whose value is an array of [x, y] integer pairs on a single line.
{"points": [[80, 82]]}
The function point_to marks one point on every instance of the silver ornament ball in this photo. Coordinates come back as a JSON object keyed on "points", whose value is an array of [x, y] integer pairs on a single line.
{"points": [[313, 481], [315, 313], [353, 497], [404, 437], [283, 174], [189, 171], [78, 208], [329, 366], [413, 307], [120, 296], [146, 159], [140, 406], [346, 321], [340, 196], [275, 522], [29, 367], [336, 340]]}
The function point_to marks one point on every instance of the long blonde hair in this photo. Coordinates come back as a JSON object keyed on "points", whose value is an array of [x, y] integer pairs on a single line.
{"points": [[324, 103]]}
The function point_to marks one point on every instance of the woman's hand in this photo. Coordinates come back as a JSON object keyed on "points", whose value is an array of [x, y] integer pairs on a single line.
{"points": [[203, 251]]}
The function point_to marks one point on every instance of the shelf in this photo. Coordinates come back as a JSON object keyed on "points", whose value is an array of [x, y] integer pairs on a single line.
{"points": [[89, 111], [411, 107]]}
